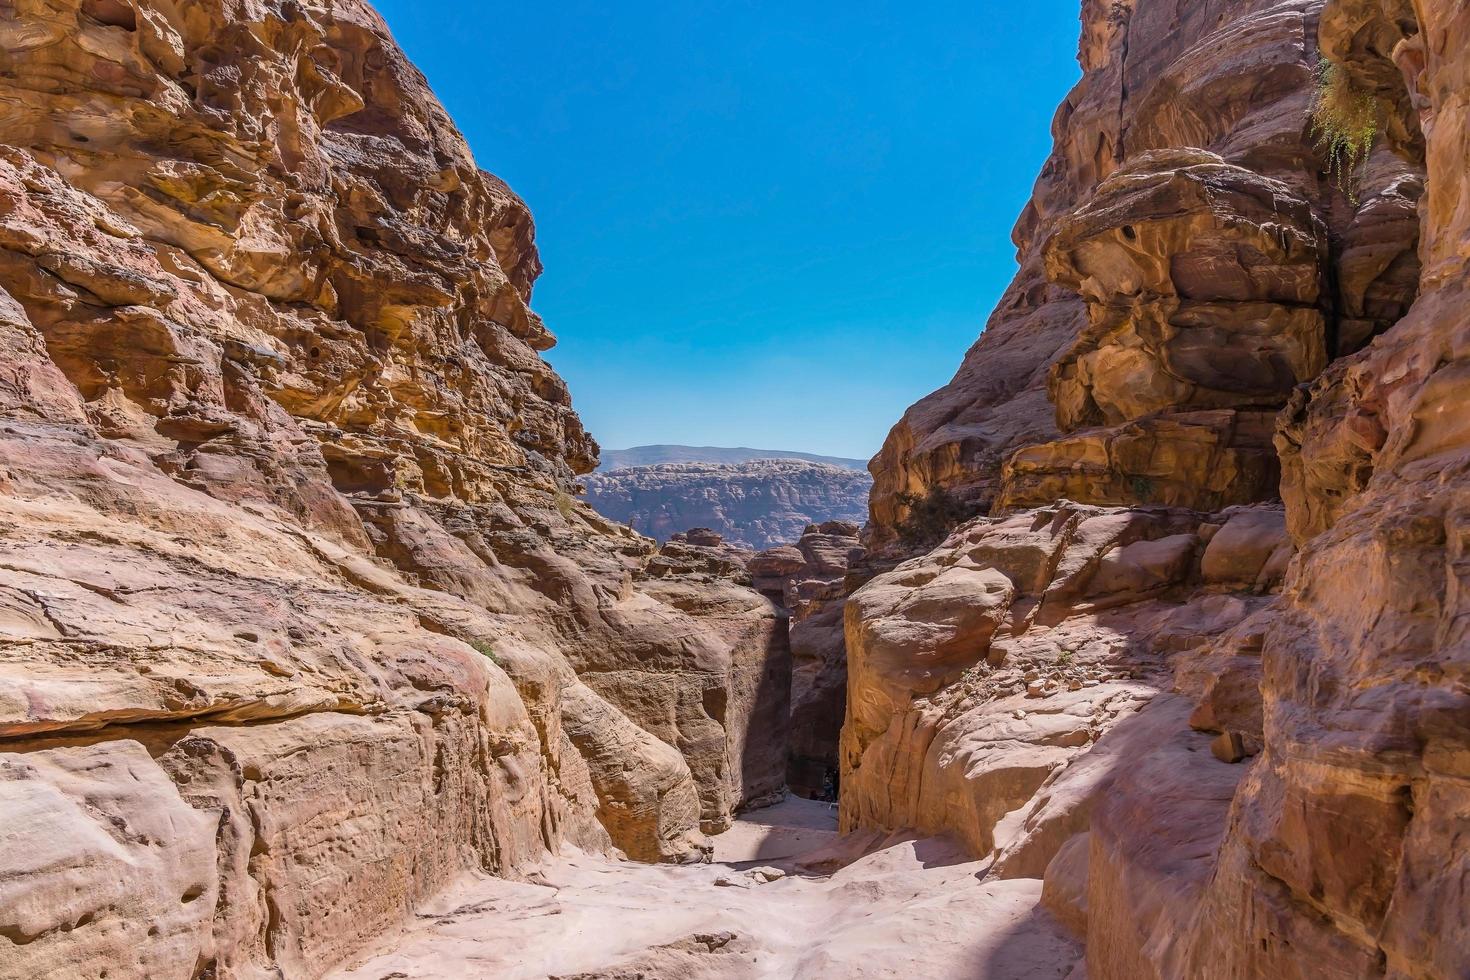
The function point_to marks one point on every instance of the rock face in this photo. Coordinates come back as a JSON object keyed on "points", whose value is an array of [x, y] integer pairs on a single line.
{"points": [[810, 579], [1184, 264], [758, 504], [298, 618], [1229, 734], [1356, 807], [995, 682]]}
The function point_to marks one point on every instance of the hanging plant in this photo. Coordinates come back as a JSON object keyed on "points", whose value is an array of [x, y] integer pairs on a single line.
{"points": [[1345, 125]]}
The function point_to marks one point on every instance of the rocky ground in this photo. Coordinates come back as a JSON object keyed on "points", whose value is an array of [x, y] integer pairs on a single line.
{"points": [[757, 504], [875, 908]]}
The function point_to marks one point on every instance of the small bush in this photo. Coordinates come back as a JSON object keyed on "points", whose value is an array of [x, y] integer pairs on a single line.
{"points": [[564, 505], [930, 517], [486, 650], [1142, 488], [1345, 124]]}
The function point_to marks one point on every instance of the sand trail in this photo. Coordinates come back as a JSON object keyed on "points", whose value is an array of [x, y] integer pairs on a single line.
{"points": [[910, 908]]}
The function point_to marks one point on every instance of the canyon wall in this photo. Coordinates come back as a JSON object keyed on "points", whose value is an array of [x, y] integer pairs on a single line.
{"points": [[1184, 264], [1199, 666], [810, 579], [298, 617]]}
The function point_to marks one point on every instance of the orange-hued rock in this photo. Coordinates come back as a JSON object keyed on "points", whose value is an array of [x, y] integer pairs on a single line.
{"points": [[299, 617], [1284, 799], [1355, 810], [995, 683], [1202, 282], [1204, 459], [1188, 132]]}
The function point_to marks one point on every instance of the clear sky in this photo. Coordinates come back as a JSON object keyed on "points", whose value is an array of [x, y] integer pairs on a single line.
{"points": [[770, 224]]}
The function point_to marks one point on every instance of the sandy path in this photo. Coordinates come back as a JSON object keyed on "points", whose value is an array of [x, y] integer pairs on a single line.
{"points": [[912, 909]]}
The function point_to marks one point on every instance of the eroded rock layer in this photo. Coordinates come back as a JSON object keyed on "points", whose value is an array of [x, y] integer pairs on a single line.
{"points": [[298, 618], [1184, 264], [811, 579], [1228, 733]]}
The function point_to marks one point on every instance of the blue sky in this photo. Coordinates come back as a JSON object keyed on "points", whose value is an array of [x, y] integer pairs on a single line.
{"points": [[764, 224]]}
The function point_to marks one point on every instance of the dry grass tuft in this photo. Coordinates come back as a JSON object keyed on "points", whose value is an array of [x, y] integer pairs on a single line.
{"points": [[1345, 123]]}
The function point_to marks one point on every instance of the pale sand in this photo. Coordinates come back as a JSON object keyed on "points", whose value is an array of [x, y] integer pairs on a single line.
{"points": [[911, 908]]}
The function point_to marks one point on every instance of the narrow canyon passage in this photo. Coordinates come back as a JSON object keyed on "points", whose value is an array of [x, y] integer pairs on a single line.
{"points": [[1152, 640], [844, 907]]}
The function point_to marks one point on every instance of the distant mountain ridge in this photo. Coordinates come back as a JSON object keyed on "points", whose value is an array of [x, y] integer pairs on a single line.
{"points": [[756, 504], [615, 459]]}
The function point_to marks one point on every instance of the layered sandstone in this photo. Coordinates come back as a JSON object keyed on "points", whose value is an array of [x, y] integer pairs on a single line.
{"points": [[997, 682], [1231, 742], [757, 504], [811, 579], [299, 620], [1344, 845], [1184, 263]]}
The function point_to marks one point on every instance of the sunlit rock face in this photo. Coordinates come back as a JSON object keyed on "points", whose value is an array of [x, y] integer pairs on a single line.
{"points": [[1184, 264], [1356, 808], [296, 605], [1200, 667], [996, 683]]}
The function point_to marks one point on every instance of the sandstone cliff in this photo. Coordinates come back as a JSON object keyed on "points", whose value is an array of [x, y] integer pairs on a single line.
{"points": [[300, 621], [810, 579], [1184, 264], [1199, 668], [757, 504], [298, 618]]}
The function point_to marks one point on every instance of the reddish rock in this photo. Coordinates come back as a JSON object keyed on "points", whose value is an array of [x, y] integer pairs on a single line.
{"points": [[809, 579]]}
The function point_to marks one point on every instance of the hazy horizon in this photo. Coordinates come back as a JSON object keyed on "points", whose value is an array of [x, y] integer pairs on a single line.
{"points": [[760, 225]]}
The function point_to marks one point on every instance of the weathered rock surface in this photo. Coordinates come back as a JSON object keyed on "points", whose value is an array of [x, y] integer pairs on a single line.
{"points": [[896, 907], [1183, 263], [302, 634], [810, 580], [996, 683], [1345, 843], [299, 621], [758, 504], [1282, 793]]}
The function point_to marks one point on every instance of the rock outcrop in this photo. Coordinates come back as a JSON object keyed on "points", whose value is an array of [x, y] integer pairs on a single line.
{"points": [[811, 579], [1231, 740], [301, 623], [299, 620], [996, 682], [1184, 264], [757, 504]]}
